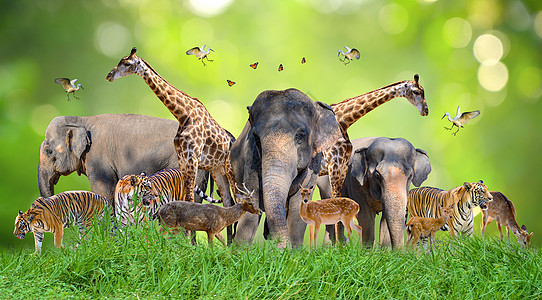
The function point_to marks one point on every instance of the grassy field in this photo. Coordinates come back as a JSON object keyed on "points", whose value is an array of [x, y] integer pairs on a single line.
{"points": [[141, 263]]}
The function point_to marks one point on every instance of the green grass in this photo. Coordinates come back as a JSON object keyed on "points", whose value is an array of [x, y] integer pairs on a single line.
{"points": [[142, 263]]}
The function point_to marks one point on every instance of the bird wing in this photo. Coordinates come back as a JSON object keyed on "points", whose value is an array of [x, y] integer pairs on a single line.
{"points": [[466, 116], [356, 54], [194, 51], [458, 114], [73, 82], [347, 49], [62, 81]]}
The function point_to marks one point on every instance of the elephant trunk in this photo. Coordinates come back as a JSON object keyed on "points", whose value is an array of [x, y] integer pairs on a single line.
{"points": [[394, 201], [47, 178], [278, 171]]}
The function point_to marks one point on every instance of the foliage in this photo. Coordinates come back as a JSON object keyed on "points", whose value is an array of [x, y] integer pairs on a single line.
{"points": [[139, 262]]}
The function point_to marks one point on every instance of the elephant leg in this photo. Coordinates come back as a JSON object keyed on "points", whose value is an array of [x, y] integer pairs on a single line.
{"points": [[366, 219], [246, 228], [102, 184], [296, 225]]}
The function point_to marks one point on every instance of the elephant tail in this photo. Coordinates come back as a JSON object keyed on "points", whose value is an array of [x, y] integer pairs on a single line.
{"points": [[205, 197]]}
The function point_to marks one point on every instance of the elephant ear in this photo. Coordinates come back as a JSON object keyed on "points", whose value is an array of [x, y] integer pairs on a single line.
{"points": [[327, 130], [358, 165], [77, 140], [422, 167]]}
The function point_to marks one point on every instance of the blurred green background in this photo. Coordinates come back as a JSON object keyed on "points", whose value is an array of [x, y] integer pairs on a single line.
{"points": [[480, 54]]}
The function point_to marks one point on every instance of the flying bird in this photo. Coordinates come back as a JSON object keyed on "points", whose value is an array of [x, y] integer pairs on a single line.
{"points": [[69, 86], [303, 60], [200, 53], [349, 55], [230, 83], [460, 119], [254, 65], [281, 68]]}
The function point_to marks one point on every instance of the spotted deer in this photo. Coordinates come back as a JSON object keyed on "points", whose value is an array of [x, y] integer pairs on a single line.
{"points": [[418, 227], [328, 212], [503, 212], [205, 217]]}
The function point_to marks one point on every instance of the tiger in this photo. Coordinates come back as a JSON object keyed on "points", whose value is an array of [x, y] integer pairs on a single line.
{"points": [[424, 202], [152, 192], [57, 212]]}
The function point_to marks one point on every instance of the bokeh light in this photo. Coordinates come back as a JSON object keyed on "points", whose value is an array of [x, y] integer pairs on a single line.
{"points": [[112, 39], [457, 32], [393, 18], [538, 24], [493, 77], [529, 83], [488, 49], [41, 116], [209, 8], [196, 32]]}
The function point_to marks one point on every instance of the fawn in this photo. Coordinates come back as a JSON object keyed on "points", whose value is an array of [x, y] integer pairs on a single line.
{"points": [[205, 217], [503, 212], [418, 227], [328, 212]]}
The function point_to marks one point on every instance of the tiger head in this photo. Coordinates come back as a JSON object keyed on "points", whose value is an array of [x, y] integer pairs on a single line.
{"points": [[480, 194], [23, 223], [130, 187]]}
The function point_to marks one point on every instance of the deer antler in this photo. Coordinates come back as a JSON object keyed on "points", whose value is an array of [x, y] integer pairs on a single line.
{"points": [[246, 192]]}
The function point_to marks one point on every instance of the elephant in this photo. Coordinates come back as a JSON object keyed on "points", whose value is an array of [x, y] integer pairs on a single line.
{"points": [[105, 148], [279, 151], [380, 172]]}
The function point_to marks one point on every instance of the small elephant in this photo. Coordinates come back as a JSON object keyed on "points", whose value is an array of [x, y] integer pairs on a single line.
{"points": [[105, 148], [279, 151], [379, 175]]}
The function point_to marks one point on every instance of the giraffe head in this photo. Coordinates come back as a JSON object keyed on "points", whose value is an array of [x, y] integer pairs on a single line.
{"points": [[127, 65], [415, 94]]}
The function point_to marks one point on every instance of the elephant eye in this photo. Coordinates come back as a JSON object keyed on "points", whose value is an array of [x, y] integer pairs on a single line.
{"points": [[300, 135], [48, 151], [377, 175]]}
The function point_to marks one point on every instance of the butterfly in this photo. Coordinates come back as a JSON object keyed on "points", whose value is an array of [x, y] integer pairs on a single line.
{"points": [[281, 68], [303, 60], [254, 65], [230, 83]]}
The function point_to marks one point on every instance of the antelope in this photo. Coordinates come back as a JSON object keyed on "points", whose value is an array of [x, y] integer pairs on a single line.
{"points": [[205, 217], [418, 227], [328, 212], [502, 210]]}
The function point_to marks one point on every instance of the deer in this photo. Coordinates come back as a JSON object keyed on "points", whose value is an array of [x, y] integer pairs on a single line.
{"points": [[503, 212], [328, 212], [418, 227], [205, 217]]}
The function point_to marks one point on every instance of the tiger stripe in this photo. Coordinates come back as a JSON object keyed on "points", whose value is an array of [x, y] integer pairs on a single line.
{"points": [[423, 202]]}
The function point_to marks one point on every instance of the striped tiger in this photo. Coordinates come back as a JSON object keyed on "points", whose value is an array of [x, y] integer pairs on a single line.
{"points": [[423, 202], [153, 191], [57, 212]]}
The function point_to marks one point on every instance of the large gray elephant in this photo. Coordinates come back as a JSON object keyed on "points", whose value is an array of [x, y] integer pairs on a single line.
{"points": [[379, 175], [105, 148], [278, 151]]}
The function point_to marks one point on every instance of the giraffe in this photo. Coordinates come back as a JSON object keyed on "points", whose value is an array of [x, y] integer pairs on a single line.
{"points": [[335, 163], [200, 141]]}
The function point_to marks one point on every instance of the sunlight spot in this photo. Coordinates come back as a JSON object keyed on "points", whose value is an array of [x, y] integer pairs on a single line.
{"points": [[518, 16], [488, 49], [530, 82], [112, 39], [226, 114], [457, 32], [41, 116], [538, 24], [393, 18], [492, 98], [209, 8], [493, 77], [196, 32], [152, 13]]}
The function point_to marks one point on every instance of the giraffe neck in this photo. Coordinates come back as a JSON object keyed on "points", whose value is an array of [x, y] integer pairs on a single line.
{"points": [[178, 102], [350, 110]]}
